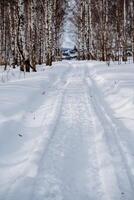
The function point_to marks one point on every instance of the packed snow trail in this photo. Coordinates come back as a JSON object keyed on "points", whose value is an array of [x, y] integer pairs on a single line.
{"points": [[77, 155], [65, 164]]}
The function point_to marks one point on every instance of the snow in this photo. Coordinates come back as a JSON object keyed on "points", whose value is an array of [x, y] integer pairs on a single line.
{"points": [[67, 132]]}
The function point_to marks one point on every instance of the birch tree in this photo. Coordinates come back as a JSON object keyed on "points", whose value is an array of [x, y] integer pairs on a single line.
{"points": [[30, 32], [104, 29]]}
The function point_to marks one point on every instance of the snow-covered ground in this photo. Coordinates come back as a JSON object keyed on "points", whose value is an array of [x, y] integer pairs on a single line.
{"points": [[67, 133]]}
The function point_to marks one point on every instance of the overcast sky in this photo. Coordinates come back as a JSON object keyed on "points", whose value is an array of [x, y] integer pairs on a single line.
{"points": [[68, 37]]}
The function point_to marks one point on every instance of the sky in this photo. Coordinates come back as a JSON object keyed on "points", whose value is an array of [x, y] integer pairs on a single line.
{"points": [[68, 37]]}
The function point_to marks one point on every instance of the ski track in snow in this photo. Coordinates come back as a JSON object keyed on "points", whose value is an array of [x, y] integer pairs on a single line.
{"points": [[78, 155]]}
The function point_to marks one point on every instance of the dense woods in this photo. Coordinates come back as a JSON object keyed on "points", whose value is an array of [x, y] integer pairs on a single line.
{"points": [[104, 29], [30, 32]]}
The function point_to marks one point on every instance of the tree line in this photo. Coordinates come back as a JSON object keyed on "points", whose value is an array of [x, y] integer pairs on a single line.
{"points": [[30, 32], [104, 29]]}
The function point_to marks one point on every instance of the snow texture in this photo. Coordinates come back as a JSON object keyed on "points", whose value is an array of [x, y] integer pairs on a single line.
{"points": [[67, 133]]}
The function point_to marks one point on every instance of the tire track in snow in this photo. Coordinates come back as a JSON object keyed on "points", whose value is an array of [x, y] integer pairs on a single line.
{"points": [[69, 168], [81, 180], [117, 161], [44, 142], [52, 130]]}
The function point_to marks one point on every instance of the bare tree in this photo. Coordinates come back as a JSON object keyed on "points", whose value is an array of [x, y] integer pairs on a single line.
{"points": [[104, 29], [30, 32]]}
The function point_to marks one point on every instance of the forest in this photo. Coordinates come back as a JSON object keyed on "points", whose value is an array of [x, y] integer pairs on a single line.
{"points": [[31, 31], [105, 29]]}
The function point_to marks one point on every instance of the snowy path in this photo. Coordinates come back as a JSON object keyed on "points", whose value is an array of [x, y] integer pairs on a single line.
{"points": [[78, 155], [66, 164]]}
